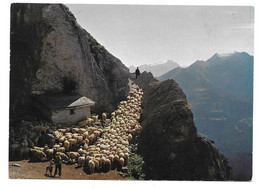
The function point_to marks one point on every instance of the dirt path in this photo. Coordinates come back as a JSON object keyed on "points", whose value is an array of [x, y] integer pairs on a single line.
{"points": [[37, 171]]}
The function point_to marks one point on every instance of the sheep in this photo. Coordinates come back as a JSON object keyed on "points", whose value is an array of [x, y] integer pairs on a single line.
{"points": [[85, 146], [86, 141], [126, 157], [111, 158], [107, 165], [116, 160], [61, 149], [113, 114], [97, 134], [129, 137], [68, 135], [95, 118], [91, 138], [104, 116], [38, 148], [73, 143], [49, 154], [96, 164], [73, 155], [62, 130], [75, 135], [118, 112], [37, 155], [56, 146], [90, 121], [67, 145], [91, 166], [75, 130], [45, 148], [85, 135], [83, 151], [62, 139], [110, 144], [82, 130], [121, 163], [63, 156], [81, 160], [79, 139], [58, 134]]}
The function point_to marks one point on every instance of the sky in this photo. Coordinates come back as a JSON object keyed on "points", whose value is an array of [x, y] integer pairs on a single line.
{"points": [[147, 34]]}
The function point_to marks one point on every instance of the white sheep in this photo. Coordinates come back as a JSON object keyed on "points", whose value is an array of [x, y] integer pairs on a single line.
{"points": [[73, 143], [79, 139], [129, 137], [73, 155], [75, 130], [95, 118], [104, 116], [91, 166], [63, 156], [61, 149], [68, 135], [121, 163], [81, 160], [67, 145], [90, 121], [107, 165], [96, 164], [85, 135], [37, 155], [62, 139]]}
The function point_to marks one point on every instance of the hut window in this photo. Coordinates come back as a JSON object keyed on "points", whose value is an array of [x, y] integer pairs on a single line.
{"points": [[72, 111]]}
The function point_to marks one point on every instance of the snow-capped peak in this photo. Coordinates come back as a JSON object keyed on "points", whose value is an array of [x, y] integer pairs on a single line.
{"points": [[225, 54]]}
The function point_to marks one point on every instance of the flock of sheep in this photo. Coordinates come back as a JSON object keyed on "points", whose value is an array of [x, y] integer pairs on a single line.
{"points": [[98, 148]]}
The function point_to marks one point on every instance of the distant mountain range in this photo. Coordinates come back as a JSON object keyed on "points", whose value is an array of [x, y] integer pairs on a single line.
{"points": [[157, 69], [220, 93]]}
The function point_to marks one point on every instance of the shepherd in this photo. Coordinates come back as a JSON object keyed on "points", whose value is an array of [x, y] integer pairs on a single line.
{"points": [[58, 163], [137, 72]]}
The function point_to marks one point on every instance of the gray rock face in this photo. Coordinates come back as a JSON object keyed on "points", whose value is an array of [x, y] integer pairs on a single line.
{"points": [[169, 143], [51, 53]]}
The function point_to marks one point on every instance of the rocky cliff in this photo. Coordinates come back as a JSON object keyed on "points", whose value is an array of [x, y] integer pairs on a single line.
{"points": [[51, 53], [169, 142], [220, 92]]}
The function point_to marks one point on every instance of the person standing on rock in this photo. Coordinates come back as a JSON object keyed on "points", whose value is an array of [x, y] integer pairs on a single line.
{"points": [[137, 72], [58, 163]]}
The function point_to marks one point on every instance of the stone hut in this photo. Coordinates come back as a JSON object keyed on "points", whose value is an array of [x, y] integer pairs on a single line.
{"points": [[63, 109]]}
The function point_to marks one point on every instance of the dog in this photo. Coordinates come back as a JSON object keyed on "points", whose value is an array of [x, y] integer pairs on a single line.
{"points": [[49, 168]]}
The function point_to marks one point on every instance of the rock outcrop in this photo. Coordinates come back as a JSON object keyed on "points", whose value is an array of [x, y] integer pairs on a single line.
{"points": [[51, 53], [169, 142]]}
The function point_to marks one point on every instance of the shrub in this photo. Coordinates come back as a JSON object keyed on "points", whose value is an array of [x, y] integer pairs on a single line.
{"points": [[135, 167]]}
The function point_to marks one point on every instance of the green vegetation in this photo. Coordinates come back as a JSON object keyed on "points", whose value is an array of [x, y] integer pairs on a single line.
{"points": [[135, 167]]}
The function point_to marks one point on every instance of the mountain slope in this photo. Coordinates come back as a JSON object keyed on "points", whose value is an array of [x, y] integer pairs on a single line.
{"points": [[169, 143], [156, 69], [220, 92], [51, 53]]}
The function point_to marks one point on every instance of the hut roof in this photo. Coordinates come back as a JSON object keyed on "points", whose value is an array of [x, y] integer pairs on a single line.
{"points": [[62, 101]]}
